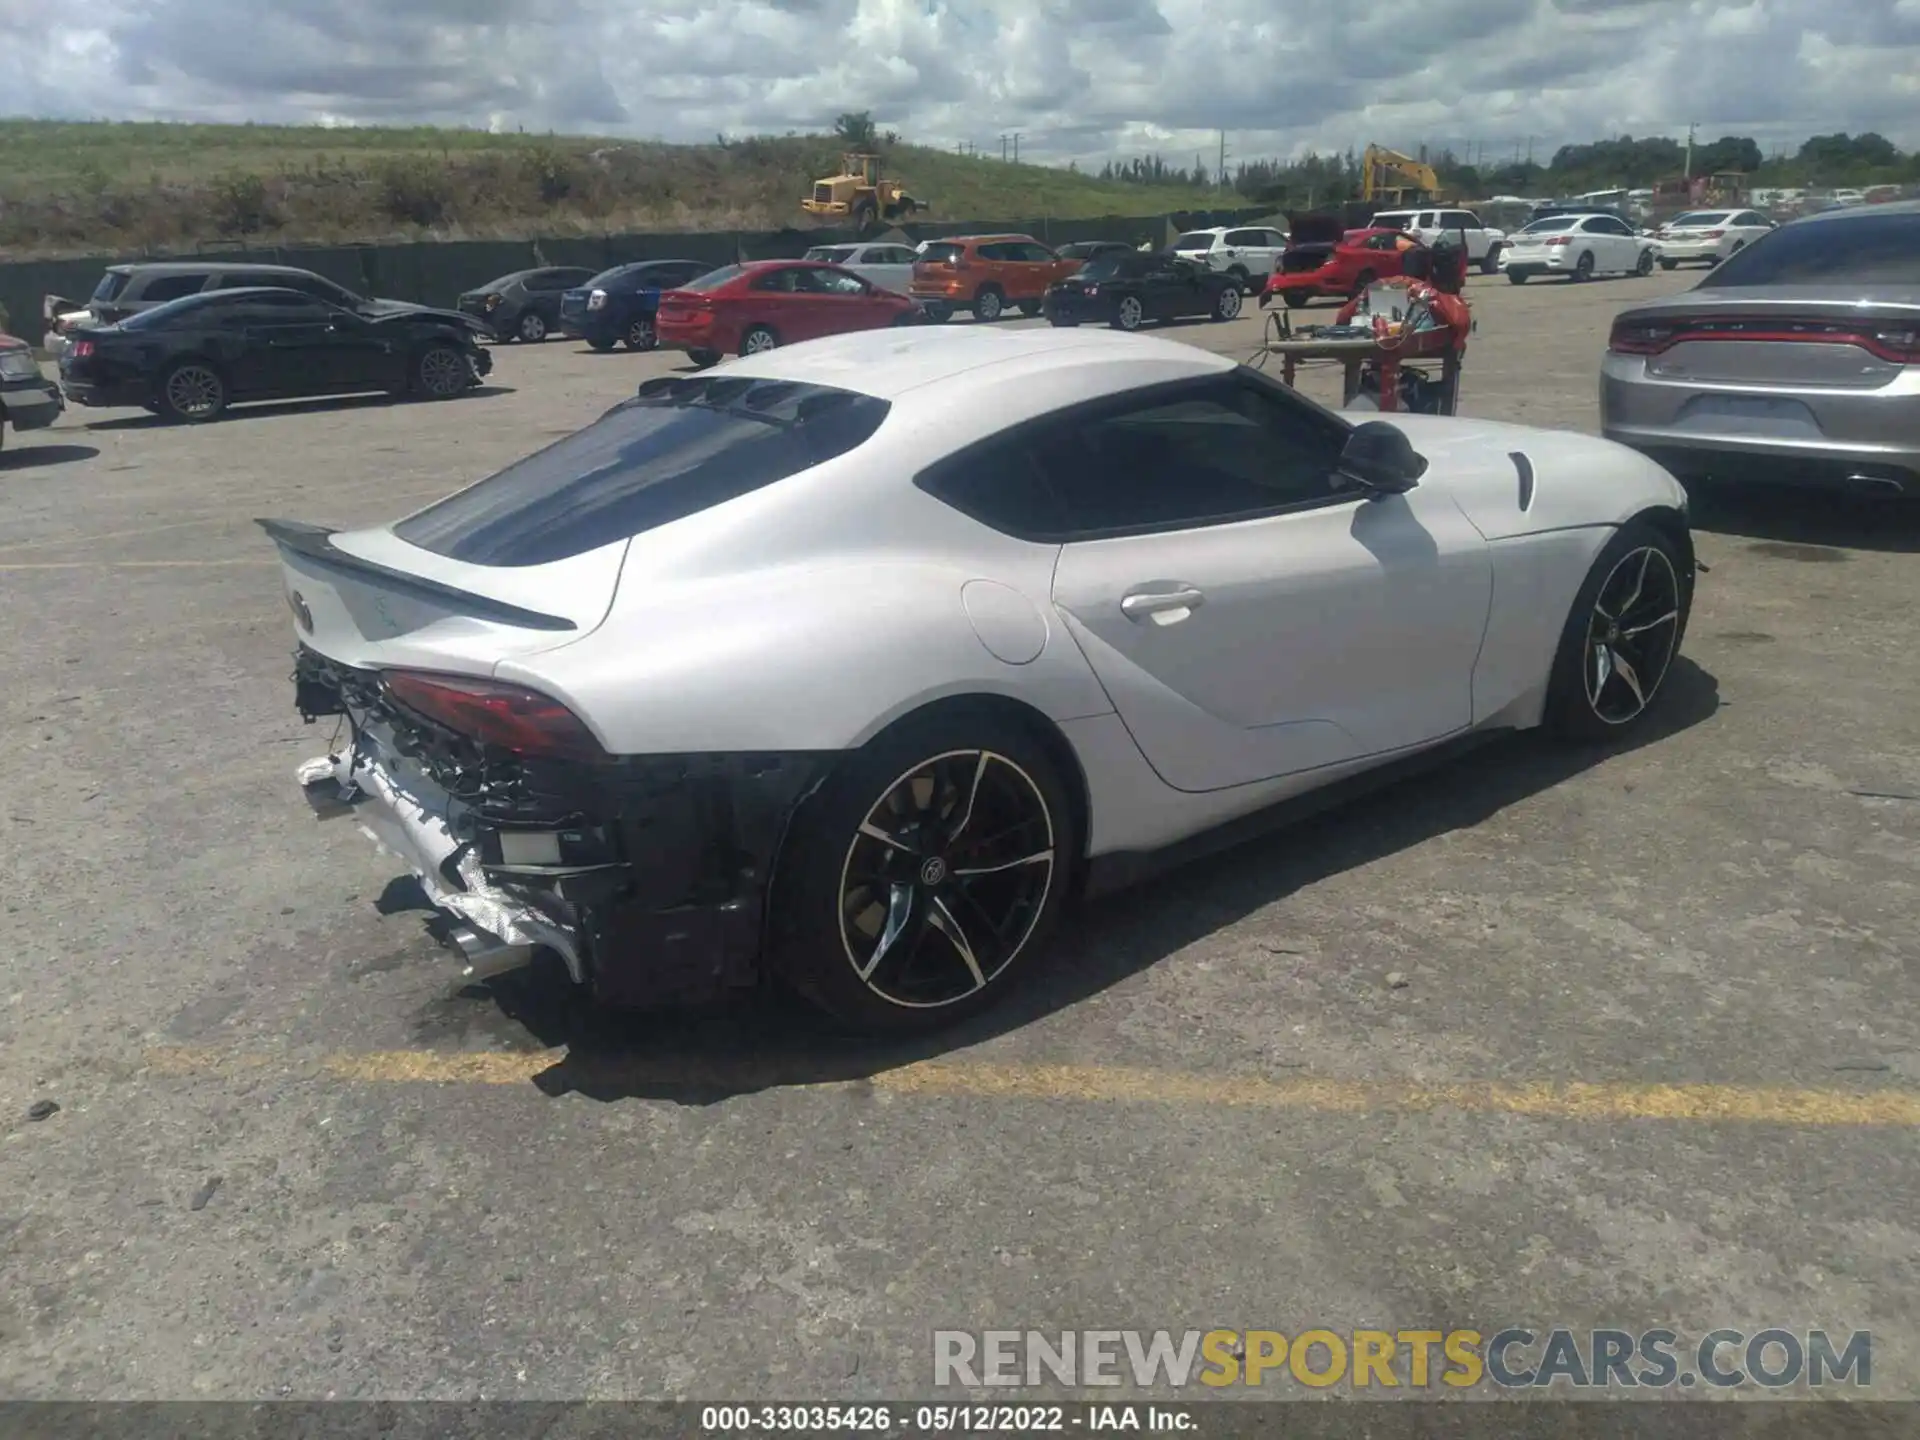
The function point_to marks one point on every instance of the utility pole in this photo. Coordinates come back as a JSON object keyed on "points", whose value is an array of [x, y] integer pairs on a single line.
{"points": [[1688, 173], [1003, 147], [1016, 147], [1220, 175]]}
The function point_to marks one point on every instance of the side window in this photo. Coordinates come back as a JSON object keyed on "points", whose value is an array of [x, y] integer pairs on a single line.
{"points": [[778, 282], [542, 281], [1274, 239], [1239, 238], [1203, 456], [836, 282], [999, 485], [162, 288], [999, 251], [283, 310], [1461, 220], [1425, 220]]}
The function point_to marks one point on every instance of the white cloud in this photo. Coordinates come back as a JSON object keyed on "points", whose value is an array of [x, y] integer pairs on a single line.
{"points": [[1079, 79]]}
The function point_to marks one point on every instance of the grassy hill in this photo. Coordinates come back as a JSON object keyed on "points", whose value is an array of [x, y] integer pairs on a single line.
{"points": [[72, 188]]}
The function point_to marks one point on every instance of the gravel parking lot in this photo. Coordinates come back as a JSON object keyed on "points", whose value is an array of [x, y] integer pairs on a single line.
{"points": [[1546, 1038]]}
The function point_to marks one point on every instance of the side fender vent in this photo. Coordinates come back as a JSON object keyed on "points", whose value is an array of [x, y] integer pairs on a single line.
{"points": [[1524, 467]]}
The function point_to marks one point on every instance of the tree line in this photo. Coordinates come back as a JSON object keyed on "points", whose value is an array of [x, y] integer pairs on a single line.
{"points": [[1823, 160]]}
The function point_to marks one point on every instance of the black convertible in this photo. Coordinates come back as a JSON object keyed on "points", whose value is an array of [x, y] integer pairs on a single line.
{"points": [[1128, 289], [190, 358]]}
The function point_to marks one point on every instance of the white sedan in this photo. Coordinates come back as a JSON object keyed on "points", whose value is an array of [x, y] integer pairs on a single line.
{"points": [[1708, 236], [888, 266], [852, 665], [1578, 247]]}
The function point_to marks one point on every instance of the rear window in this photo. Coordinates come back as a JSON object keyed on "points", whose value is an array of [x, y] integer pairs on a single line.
{"points": [[942, 254], [832, 254], [680, 447], [1393, 219], [620, 275], [1859, 250], [1195, 240], [1544, 227], [714, 279], [160, 317], [1700, 217], [111, 284]]}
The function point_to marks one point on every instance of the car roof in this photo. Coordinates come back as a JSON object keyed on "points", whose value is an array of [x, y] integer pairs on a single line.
{"points": [[190, 267], [978, 239], [888, 364], [1854, 212]]}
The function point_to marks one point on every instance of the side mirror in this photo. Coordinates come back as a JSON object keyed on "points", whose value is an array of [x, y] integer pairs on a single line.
{"points": [[1381, 460]]}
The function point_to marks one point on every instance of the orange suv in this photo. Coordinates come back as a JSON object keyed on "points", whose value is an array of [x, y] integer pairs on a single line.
{"points": [[985, 274]]}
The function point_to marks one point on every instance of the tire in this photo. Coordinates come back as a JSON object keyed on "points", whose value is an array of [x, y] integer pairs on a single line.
{"points": [[1669, 264], [1645, 267], [532, 328], [1226, 305], [1128, 313], [937, 314], [1490, 262], [825, 923], [1583, 269], [704, 359], [1029, 308], [1066, 324], [640, 335], [1645, 584], [441, 372], [989, 305], [758, 340], [192, 391], [603, 346], [1297, 299], [1517, 277]]}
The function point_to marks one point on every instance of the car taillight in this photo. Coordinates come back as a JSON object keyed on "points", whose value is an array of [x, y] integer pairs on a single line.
{"points": [[1092, 289], [1560, 240], [523, 721], [597, 300], [1713, 235], [1902, 343], [1631, 339], [493, 302], [82, 349]]}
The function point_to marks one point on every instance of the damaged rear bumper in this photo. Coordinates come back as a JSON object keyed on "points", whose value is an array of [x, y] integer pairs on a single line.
{"points": [[648, 876]]}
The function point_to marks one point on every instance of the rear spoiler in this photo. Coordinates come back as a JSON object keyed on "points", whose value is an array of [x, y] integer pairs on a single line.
{"points": [[314, 543]]}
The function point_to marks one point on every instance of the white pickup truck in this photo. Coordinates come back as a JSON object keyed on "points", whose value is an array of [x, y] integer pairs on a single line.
{"points": [[1430, 227]]}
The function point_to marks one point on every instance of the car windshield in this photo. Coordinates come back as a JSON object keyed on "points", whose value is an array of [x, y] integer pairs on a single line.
{"points": [[608, 279], [680, 447], [111, 284], [1394, 220], [832, 254], [1558, 222], [1195, 240], [1699, 217], [1109, 267], [714, 279], [1862, 249]]}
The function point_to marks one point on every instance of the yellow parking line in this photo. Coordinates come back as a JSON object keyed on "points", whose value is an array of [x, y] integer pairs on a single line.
{"points": [[130, 564], [1095, 1084]]}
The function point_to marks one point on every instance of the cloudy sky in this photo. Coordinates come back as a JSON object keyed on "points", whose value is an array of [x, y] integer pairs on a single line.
{"points": [[1081, 79]]}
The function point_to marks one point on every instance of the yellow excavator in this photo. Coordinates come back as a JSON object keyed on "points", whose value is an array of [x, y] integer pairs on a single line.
{"points": [[1389, 178], [859, 193]]}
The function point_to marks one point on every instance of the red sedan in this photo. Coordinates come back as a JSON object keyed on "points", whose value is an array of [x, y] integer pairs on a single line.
{"points": [[745, 309], [1360, 258]]}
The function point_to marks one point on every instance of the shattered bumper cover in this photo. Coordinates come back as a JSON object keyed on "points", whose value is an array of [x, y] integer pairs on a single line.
{"points": [[647, 875]]}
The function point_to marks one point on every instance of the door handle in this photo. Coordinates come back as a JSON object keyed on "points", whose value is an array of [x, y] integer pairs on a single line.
{"points": [[1174, 605]]}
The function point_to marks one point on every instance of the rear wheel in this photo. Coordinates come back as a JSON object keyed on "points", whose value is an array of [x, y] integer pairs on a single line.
{"points": [[1645, 267], [1621, 639], [758, 340], [1516, 277], [704, 359], [1226, 305], [1583, 267], [192, 391], [1669, 264], [532, 328], [1128, 313], [937, 314], [441, 372], [1297, 298], [1029, 308], [640, 334], [989, 305], [1490, 263], [603, 346], [925, 877]]}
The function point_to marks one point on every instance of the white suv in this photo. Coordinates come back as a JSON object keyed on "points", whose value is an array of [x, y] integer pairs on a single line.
{"points": [[1430, 227], [1249, 254]]}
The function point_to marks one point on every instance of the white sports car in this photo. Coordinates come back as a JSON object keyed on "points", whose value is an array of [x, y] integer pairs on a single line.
{"points": [[851, 664]]}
